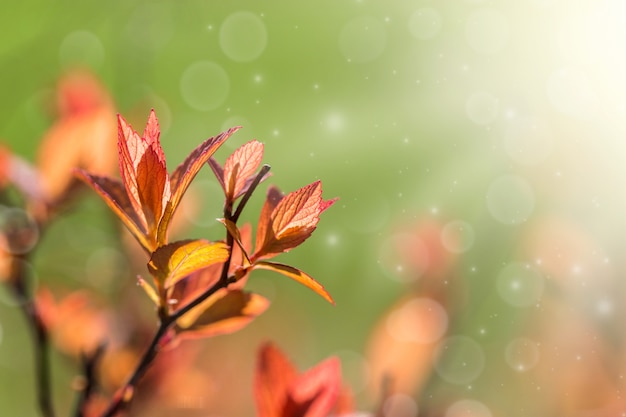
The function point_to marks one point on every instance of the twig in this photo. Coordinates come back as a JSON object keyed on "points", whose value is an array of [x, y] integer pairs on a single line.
{"points": [[39, 334], [90, 363], [125, 394], [244, 200]]}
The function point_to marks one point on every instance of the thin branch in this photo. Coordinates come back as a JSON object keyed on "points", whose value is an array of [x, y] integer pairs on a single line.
{"points": [[244, 200], [126, 393], [219, 285], [90, 363], [39, 334]]}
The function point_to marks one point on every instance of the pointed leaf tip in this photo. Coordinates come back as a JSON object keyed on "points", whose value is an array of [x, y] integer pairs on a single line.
{"points": [[240, 167], [152, 131], [297, 275], [292, 220]]}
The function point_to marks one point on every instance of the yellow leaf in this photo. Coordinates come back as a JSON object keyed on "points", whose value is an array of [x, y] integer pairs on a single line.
{"points": [[173, 262], [149, 290]]}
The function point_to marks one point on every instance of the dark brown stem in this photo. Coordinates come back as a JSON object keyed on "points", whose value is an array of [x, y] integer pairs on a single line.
{"points": [[126, 393], [90, 363], [39, 334], [244, 200]]}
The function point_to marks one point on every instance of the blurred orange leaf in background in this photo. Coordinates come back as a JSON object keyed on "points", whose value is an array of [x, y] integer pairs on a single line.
{"points": [[280, 391], [83, 136]]}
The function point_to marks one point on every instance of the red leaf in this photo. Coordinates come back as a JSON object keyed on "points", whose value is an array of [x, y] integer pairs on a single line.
{"points": [[224, 312], [273, 376], [218, 171], [144, 173], [291, 222], [274, 196], [316, 391], [281, 392], [297, 275]]}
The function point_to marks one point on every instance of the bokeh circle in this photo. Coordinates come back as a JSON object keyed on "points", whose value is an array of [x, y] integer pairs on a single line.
{"points": [[243, 36], [204, 85], [520, 284], [510, 199], [460, 361]]}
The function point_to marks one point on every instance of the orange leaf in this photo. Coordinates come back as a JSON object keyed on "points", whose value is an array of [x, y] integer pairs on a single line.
{"points": [[76, 322], [281, 392], [82, 137], [233, 230], [114, 195], [241, 165], [274, 196], [295, 274], [292, 221], [173, 262], [149, 197], [316, 391], [224, 312], [144, 174], [218, 171], [5, 168], [273, 376]]}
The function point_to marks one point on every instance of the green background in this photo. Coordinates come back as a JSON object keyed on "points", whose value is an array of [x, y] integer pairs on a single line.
{"points": [[507, 116]]}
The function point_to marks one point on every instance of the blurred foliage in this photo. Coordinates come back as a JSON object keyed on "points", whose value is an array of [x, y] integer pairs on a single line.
{"points": [[504, 116]]}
